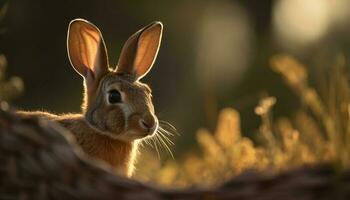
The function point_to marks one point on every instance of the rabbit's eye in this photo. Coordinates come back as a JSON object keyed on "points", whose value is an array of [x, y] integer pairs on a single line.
{"points": [[114, 96]]}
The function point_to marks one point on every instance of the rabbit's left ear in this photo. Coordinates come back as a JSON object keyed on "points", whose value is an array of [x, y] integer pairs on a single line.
{"points": [[140, 51], [86, 49]]}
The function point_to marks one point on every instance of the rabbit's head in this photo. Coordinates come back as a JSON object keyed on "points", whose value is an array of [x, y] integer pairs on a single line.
{"points": [[116, 103]]}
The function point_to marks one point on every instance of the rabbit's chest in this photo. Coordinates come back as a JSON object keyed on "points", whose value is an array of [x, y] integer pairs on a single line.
{"points": [[116, 153]]}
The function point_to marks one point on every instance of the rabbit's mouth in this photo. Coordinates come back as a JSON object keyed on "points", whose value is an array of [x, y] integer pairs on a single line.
{"points": [[144, 124], [132, 135]]}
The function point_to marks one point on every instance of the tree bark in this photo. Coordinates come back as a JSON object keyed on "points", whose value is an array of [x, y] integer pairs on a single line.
{"points": [[40, 160]]}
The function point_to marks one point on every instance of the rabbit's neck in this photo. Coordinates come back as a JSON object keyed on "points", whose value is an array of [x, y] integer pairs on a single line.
{"points": [[119, 154]]}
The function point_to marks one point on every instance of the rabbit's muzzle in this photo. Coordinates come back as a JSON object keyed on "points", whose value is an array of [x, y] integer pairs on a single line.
{"points": [[144, 124]]}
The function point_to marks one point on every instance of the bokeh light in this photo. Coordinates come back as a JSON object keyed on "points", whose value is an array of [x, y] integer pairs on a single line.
{"points": [[300, 23], [224, 38]]}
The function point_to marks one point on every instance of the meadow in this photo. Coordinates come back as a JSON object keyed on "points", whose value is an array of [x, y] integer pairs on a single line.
{"points": [[318, 132]]}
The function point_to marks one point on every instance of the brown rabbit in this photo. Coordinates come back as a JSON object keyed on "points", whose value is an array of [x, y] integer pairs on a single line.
{"points": [[117, 108]]}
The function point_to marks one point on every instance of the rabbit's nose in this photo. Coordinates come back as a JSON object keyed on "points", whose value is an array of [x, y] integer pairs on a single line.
{"points": [[148, 123]]}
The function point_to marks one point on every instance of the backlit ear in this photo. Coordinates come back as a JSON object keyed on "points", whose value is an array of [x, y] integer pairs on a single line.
{"points": [[140, 51], [86, 49]]}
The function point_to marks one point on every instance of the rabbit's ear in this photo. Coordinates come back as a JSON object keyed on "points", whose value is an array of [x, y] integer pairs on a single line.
{"points": [[86, 49], [140, 51]]}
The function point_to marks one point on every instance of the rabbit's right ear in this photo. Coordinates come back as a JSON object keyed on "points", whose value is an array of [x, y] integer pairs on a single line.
{"points": [[86, 49], [140, 51]]}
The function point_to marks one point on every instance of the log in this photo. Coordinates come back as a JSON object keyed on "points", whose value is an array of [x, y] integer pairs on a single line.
{"points": [[40, 160]]}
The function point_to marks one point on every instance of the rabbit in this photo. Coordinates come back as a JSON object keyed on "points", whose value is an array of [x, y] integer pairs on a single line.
{"points": [[117, 109]]}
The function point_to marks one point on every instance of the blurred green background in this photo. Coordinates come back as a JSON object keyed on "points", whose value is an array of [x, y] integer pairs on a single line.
{"points": [[214, 54]]}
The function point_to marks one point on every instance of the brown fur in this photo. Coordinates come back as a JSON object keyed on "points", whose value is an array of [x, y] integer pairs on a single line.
{"points": [[106, 130], [115, 152]]}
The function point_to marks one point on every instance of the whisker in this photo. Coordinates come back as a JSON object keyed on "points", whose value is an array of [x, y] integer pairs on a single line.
{"points": [[161, 139], [156, 146], [157, 139], [170, 126], [164, 144], [166, 138], [147, 141], [165, 131], [142, 143], [167, 147], [161, 145]]}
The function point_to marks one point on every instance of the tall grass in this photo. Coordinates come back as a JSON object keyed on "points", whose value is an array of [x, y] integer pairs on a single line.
{"points": [[318, 132]]}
